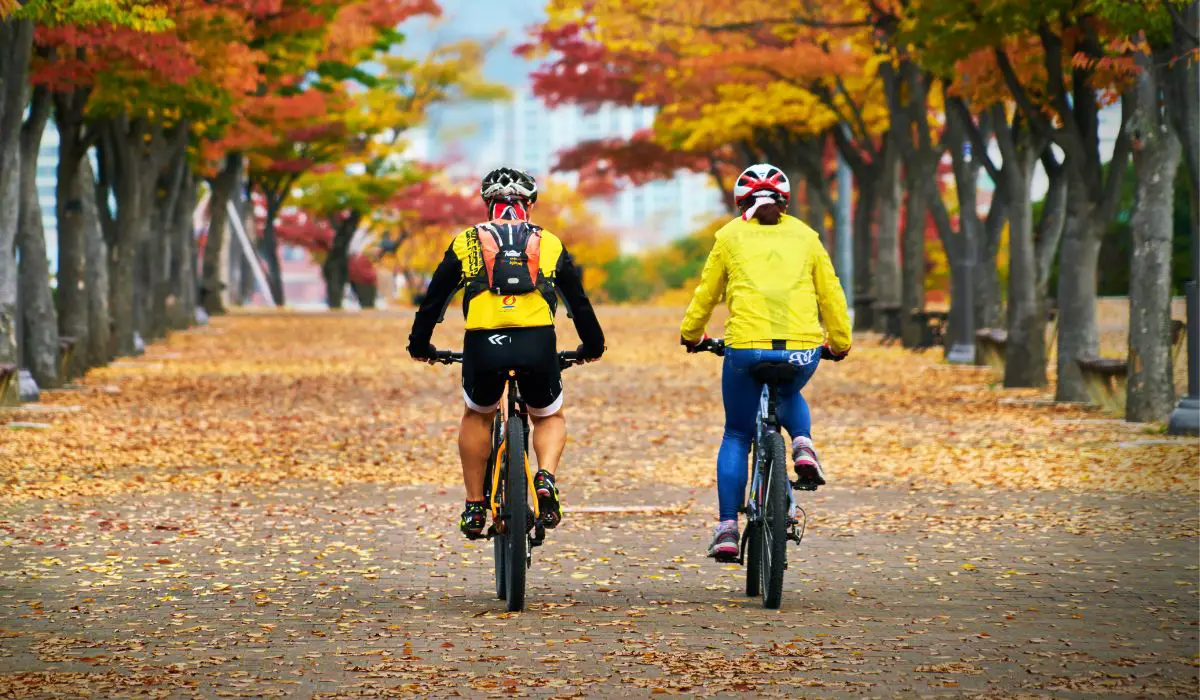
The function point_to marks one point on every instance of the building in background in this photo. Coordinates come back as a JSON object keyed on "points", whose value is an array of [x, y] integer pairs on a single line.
{"points": [[522, 132]]}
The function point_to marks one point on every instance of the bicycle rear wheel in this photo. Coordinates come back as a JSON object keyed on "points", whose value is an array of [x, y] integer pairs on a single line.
{"points": [[753, 559], [516, 511], [774, 526]]}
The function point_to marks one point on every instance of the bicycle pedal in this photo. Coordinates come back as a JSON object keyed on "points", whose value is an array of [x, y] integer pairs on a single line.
{"points": [[797, 485]]}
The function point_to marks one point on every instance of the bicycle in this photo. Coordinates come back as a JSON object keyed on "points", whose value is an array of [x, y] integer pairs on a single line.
{"points": [[517, 524], [772, 514]]}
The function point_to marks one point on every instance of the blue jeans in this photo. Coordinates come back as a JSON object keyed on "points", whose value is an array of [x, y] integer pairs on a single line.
{"points": [[741, 395]]}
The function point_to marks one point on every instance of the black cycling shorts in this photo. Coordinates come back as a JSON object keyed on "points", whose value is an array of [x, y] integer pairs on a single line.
{"points": [[488, 355]]}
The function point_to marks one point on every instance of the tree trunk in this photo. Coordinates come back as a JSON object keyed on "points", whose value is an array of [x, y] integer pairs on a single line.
{"points": [[1050, 226], [887, 249], [1078, 335], [158, 249], [987, 287], [864, 208], [73, 289], [129, 158], [270, 252], [37, 314], [921, 186], [222, 188], [336, 268], [99, 349], [1180, 76], [1151, 387], [16, 41], [1025, 351], [181, 298]]}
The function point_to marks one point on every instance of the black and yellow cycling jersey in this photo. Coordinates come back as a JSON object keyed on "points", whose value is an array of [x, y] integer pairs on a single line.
{"points": [[485, 310]]}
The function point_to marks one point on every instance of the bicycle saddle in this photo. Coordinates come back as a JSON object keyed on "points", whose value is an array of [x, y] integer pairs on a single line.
{"points": [[774, 372]]}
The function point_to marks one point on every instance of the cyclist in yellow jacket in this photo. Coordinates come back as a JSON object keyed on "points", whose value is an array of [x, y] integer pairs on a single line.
{"points": [[785, 305], [512, 273]]}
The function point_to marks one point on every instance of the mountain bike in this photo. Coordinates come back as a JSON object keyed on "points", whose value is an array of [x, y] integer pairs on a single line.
{"points": [[517, 524], [772, 514]]}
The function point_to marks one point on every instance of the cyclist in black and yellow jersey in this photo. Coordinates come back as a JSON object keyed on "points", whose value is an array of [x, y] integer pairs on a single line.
{"points": [[512, 272]]}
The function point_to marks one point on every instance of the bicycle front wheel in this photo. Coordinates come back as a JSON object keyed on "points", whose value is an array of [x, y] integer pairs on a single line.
{"points": [[499, 552], [516, 512], [774, 526], [752, 536]]}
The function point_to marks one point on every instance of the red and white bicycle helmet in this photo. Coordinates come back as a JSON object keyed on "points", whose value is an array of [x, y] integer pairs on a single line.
{"points": [[759, 183]]}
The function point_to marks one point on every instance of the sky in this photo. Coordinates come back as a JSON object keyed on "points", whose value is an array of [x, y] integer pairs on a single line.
{"points": [[460, 128], [482, 19]]}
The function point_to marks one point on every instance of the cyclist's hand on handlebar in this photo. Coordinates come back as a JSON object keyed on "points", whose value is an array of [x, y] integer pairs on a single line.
{"points": [[694, 345], [426, 353], [587, 354], [827, 353]]}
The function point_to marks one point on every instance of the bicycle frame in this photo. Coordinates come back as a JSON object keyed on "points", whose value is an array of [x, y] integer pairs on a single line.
{"points": [[515, 406], [767, 422]]}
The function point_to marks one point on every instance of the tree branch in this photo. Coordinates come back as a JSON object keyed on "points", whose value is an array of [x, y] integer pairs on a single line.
{"points": [[856, 113], [853, 158], [1120, 157], [1032, 113], [1180, 23], [802, 20], [959, 107]]}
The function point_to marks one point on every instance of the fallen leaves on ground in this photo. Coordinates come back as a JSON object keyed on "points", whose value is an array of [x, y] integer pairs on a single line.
{"points": [[266, 507], [275, 399]]}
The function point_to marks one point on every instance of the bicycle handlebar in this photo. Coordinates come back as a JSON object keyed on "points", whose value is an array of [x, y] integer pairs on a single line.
{"points": [[714, 345], [717, 347], [565, 359], [448, 357]]}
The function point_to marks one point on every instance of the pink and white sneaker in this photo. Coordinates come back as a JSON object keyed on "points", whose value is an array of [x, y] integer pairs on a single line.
{"points": [[724, 547], [808, 467]]}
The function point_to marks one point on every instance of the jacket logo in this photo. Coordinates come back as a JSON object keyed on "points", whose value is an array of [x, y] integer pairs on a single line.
{"points": [[508, 303]]}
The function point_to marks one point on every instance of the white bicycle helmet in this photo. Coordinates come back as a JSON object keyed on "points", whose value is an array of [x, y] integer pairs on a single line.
{"points": [[503, 183], [762, 177]]}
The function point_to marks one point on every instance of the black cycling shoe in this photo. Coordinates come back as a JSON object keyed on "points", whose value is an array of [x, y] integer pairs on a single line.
{"points": [[547, 493], [474, 517]]}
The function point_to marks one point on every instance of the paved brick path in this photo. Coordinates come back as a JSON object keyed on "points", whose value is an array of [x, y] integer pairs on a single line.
{"points": [[321, 589]]}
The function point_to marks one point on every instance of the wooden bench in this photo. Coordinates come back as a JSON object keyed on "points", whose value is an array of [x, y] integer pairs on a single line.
{"points": [[66, 352], [933, 328], [1105, 379], [10, 393], [989, 347], [892, 324], [1178, 338]]}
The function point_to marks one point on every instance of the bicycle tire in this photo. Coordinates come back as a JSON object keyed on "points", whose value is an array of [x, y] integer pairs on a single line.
{"points": [[753, 543], [753, 559], [774, 520], [516, 510], [498, 553], [498, 543]]}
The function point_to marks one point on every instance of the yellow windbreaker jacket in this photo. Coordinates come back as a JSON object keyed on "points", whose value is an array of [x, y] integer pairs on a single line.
{"points": [[779, 284]]}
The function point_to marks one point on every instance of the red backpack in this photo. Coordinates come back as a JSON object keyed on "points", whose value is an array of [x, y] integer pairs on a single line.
{"points": [[511, 255]]}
